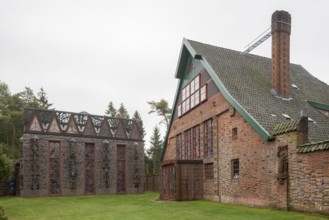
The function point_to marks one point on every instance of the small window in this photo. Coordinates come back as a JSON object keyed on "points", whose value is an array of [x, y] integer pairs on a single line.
{"points": [[311, 120], [294, 86], [235, 168], [209, 170], [234, 133], [286, 116]]}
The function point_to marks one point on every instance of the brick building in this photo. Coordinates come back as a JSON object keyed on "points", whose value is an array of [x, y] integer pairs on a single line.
{"points": [[248, 130], [65, 153]]}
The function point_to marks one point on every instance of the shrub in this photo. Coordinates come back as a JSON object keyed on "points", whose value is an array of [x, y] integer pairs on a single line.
{"points": [[3, 214], [6, 168]]}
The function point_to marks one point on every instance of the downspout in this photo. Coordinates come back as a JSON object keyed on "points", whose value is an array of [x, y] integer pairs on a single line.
{"points": [[217, 141]]}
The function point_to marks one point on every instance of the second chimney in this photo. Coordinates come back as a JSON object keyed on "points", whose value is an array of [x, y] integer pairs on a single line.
{"points": [[281, 28]]}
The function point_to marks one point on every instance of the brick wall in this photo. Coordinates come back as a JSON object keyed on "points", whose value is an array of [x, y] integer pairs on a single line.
{"points": [[309, 181], [65, 184], [257, 184]]}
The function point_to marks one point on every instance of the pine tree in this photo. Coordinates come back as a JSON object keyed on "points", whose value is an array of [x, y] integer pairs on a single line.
{"points": [[43, 99], [111, 111], [138, 117], [154, 152], [162, 109], [122, 112]]}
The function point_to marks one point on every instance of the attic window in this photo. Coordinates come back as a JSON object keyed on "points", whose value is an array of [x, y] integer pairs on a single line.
{"points": [[192, 95], [294, 86], [286, 116], [311, 120]]}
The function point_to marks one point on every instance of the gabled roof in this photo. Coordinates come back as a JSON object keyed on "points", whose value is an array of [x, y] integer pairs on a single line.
{"points": [[245, 82]]}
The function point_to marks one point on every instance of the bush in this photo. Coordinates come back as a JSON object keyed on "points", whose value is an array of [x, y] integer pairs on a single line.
{"points": [[6, 168], [3, 214]]}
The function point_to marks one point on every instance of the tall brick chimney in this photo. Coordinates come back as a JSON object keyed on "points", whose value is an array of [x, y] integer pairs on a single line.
{"points": [[281, 28]]}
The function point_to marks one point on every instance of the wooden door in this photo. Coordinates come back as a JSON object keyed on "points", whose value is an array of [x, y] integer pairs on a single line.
{"points": [[169, 182]]}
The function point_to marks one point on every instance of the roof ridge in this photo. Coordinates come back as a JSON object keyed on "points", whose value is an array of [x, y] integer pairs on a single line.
{"points": [[240, 52]]}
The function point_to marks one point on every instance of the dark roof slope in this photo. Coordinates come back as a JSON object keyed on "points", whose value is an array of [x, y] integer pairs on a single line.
{"points": [[247, 78]]}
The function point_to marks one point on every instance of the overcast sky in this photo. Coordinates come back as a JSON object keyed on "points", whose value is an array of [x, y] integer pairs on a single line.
{"points": [[88, 53]]}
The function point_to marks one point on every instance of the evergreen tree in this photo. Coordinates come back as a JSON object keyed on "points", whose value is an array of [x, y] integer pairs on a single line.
{"points": [[11, 116], [154, 152], [138, 117], [43, 99], [111, 111], [122, 112]]}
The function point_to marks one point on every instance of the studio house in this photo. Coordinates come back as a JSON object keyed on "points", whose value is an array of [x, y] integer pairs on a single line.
{"points": [[66, 153], [247, 129]]}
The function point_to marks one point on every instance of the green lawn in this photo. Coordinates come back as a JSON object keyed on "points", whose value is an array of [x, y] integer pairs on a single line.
{"points": [[133, 207]]}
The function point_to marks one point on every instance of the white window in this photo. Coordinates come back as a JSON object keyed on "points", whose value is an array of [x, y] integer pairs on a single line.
{"points": [[183, 94], [192, 96], [197, 82], [187, 103], [197, 99], [203, 92], [187, 91], [179, 110], [192, 87], [192, 101]]}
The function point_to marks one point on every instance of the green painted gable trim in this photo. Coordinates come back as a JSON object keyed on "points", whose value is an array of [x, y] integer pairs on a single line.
{"points": [[319, 105], [186, 51], [312, 147], [252, 122]]}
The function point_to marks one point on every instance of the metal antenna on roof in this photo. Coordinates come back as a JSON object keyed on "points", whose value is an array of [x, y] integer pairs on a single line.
{"points": [[257, 41]]}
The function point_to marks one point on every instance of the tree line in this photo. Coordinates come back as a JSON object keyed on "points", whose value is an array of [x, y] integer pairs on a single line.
{"points": [[11, 125], [11, 122]]}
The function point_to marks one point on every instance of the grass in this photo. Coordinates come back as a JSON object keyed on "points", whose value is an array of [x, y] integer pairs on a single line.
{"points": [[141, 206]]}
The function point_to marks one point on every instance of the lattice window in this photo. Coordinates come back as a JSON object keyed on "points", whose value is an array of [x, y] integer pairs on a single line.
{"points": [[208, 138], [188, 144], [235, 168], [90, 168], [106, 164], [179, 146], [35, 177], [209, 170], [192, 96], [54, 168], [196, 142], [121, 168], [173, 180]]}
